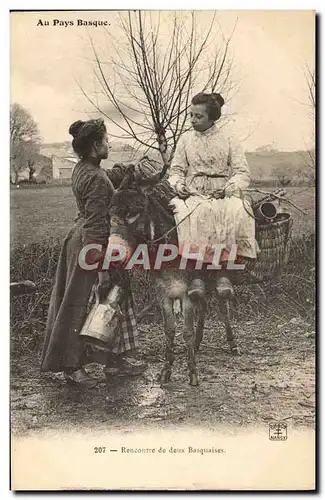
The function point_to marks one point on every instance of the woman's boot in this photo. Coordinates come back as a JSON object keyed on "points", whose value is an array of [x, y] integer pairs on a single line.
{"points": [[80, 377]]}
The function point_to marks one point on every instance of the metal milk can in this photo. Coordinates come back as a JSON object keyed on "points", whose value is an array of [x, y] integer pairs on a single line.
{"points": [[101, 325]]}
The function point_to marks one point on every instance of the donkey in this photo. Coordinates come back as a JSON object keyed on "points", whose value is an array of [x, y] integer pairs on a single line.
{"points": [[138, 215]]}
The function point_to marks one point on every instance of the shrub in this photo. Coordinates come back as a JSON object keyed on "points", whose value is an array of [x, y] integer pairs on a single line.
{"points": [[35, 262]]}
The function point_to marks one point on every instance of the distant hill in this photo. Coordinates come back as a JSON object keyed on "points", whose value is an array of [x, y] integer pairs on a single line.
{"points": [[264, 165], [269, 165]]}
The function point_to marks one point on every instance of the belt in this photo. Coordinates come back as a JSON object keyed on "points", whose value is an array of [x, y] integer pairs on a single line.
{"points": [[214, 176]]}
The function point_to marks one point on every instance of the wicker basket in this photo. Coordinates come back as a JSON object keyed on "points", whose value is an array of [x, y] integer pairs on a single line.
{"points": [[273, 239]]}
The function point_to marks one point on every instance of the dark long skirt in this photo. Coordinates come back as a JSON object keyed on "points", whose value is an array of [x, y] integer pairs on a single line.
{"points": [[63, 348]]}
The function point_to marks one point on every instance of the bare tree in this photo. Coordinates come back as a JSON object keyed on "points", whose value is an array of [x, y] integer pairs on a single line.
{"points": [[310, 155], [24, 139], [311, 83], [282, 176], [150, 80]]}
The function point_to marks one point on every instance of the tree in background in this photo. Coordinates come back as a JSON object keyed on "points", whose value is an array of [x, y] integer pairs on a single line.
{"points": [[150, 74], [311, 156], [282, 175], [24, 140], [307, 174], [267, 148]]}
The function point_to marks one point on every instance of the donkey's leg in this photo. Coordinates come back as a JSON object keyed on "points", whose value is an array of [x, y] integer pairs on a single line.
{"points": [[170, 329], [225, 294], [197, 294], [188, 333], [201, 311]]}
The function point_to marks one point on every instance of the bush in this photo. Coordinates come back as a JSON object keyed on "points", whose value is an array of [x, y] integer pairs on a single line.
{"points": [[40, 183], [35, 262], [290, 293], [25, 183]]}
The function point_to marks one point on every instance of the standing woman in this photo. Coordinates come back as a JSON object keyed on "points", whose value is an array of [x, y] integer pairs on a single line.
{"points": [[63, 348], [207, 161]]}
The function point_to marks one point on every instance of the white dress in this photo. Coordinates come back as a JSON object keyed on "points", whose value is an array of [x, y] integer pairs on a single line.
{"points": [[198, 157]]}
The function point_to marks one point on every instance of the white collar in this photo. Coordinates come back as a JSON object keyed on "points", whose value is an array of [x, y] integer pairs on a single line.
{"points": [[209, 131]]}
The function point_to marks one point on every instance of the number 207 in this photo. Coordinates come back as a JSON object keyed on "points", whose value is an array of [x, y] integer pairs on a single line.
{"points": [[99, 449]]}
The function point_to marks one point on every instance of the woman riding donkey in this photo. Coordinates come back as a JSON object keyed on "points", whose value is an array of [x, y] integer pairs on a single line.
{"points": [[209, 171], [64, 350]]}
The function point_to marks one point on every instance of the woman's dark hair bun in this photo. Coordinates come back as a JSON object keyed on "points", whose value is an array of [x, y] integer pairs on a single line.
{"points": [[75, 128], [218, 97]]}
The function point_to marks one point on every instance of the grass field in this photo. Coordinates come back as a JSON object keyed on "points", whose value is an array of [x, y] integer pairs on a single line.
{"points": [[38, 214]]}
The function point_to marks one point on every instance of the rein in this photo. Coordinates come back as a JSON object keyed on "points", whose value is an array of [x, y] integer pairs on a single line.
{"points": [[242, 197], [175, 225], [217, 195]]}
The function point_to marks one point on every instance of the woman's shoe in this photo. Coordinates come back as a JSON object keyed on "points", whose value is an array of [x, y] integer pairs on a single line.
{"points": [[81, 378], [127, 367]]}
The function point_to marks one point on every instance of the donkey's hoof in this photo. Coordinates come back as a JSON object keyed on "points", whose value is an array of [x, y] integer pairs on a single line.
{"points": [[165, 376], [197, 347], [225, 290], [235, 351], [194, 380], [196, 291]]}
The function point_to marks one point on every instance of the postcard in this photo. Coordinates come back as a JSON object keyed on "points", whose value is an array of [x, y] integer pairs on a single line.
{"points": [[162, 250]]}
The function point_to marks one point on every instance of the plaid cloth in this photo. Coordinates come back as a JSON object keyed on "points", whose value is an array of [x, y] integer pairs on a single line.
{"points": [[127, 338]]}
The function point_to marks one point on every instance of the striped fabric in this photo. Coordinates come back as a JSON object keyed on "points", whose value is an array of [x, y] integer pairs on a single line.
{"points": [[127, 339]]}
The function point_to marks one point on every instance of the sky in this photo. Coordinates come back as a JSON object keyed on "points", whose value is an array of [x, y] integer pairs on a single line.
{"points": [[270, 50]]}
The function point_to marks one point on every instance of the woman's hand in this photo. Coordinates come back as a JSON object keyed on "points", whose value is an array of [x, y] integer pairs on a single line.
{"points": [[103, 277], [103, 285], [230, 189], [182, 191]]}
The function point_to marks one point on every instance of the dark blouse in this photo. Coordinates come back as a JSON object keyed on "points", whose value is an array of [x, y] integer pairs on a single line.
{"points": [[93, 194]]}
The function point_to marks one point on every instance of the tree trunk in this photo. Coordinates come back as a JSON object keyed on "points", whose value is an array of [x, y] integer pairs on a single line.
{"points": [[163, 148]]}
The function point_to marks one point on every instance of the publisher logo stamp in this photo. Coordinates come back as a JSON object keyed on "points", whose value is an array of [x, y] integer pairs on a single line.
{"points": [[278, 431]]}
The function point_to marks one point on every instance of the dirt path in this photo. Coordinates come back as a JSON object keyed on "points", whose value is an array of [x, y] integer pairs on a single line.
{"points": [[273, 379]]}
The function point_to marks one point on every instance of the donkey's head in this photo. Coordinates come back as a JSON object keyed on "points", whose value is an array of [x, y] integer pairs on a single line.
{"points": [[130, 209]]}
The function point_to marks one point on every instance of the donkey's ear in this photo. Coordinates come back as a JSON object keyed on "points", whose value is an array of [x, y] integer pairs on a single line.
{"points": [[128, 178], [131, 217], [145, 177]]}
